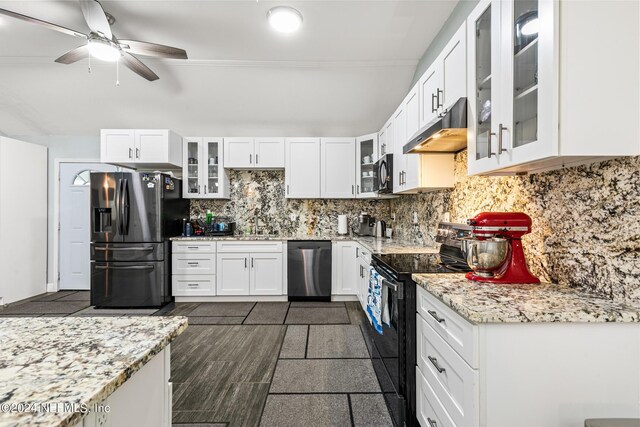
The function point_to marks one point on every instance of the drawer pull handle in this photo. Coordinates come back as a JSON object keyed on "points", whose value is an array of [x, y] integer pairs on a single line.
{"points": [[435, 316], [193, 263], [434, 362], [432, 423], [192, 285], [192, 247]]}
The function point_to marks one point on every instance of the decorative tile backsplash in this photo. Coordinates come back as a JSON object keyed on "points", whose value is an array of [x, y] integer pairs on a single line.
{"points": [[586, 220], [260, 194]]}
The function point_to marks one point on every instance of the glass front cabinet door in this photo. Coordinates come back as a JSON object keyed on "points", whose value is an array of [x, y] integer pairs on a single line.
{"points": [[203, 175], [366, 156], [510, 79]]}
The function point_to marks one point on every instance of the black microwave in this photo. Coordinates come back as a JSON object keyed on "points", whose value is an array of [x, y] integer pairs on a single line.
{"points": [[383, 174]]}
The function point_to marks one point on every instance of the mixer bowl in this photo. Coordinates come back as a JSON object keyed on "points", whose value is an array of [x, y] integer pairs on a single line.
{"points": [[485, 256]]}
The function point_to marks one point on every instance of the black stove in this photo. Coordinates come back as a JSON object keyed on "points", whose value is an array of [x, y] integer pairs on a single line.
{"points": [[394, 351], [407, 264]]}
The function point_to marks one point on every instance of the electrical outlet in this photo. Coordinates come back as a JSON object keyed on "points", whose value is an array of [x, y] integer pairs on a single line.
{"points": [[293, 217], [393, 216], [415, 217]]}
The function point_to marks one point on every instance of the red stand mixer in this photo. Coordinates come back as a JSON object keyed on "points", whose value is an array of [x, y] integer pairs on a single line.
{"points": [[494, 248]]}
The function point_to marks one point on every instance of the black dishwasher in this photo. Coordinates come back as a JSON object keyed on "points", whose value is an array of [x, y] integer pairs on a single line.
{"points": [[309, 270]]}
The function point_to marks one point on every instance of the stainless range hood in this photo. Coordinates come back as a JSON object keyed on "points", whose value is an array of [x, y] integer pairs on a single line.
{"points": [[447, 135]]}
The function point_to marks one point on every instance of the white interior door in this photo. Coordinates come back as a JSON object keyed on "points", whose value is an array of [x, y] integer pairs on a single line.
{"points": [[75, 223]]}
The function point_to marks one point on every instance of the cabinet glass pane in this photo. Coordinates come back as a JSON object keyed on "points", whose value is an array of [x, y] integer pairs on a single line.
{"points": [[212, 168], [193, 170], [525, 72], [483, 84], [366, 166]]}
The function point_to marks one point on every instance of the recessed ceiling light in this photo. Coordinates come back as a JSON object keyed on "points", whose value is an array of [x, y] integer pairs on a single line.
{"points": [[103, 50], [284, 19]]}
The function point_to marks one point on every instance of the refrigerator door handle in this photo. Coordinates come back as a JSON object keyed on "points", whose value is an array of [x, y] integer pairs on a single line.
{"points": [[129, 267], [118, 206], [146, 249], [125, 206]]}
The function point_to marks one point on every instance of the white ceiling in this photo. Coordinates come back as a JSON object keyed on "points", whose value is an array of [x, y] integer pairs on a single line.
{"points": [[343, 73]]}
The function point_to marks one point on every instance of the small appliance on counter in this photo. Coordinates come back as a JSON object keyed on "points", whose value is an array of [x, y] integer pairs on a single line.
{"points": [[381, 229], [494, 248], [366, 225], [383, 175], [221, 226]]}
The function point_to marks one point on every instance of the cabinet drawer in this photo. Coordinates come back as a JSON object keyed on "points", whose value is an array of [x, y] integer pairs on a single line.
{"points": [[193, 264], [429, 410], [453, 381], [190, 285], [364, 254], [461, 335], [230, 246], [191, 247]]}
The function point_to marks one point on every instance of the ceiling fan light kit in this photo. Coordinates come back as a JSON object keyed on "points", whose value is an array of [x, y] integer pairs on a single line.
{"points": [[102, 44]]}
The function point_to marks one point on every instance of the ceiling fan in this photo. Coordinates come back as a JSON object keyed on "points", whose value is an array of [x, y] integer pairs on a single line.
{"points": [[102, 44]]}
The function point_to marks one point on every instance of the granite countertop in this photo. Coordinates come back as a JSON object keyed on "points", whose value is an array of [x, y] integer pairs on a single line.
{"points": [[509, 303], [375, 244], [76, 360]]}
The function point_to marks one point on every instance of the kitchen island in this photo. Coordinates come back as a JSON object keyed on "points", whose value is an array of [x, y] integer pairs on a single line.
{"points": [[86, 371], [502, 355]]}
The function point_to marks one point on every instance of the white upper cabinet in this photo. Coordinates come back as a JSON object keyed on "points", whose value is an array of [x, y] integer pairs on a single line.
{"points": [[399, 138], [536, 105], [269, 152], [445, 81], [141, 148], [238, 152], [254, 153], [429, 92], [386, 144], [302, 168], [338, 171], [366, 155], [203, 175], [412, 110], [453, 63]]}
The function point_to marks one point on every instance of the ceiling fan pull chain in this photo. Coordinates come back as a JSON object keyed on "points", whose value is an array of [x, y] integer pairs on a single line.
{"points": [[117, 73], [89, 63]]}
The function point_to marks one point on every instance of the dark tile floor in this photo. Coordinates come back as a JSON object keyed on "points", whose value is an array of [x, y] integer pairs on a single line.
{"points": [[257, 364]]}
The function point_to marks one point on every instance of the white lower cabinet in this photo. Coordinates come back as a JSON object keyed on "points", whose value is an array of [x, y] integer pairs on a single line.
{"points": [[193, 285], [233, 274], [193, 269], [266, 274], [363, 282], [250, 272], [522, 374], [344, 268]]}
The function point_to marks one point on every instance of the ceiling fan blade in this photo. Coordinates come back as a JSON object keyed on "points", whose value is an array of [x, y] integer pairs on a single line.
{"points": [[42, 23], [135, 65], [95, 17], [74, 55], [152, 49]]}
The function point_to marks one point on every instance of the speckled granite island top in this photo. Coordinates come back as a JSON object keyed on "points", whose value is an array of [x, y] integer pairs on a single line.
{"points": [[545, 302], [375, 245], [77, 360]]}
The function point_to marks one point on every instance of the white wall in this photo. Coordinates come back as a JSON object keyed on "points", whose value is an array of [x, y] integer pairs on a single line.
{"points": [[61, 147], [23, 216]]}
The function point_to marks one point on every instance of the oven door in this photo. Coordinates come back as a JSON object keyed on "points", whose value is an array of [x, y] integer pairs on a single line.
{"points": [[388, 352]]}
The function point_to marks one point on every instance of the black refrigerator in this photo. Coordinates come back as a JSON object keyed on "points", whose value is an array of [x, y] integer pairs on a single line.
{"points": [[133, 215]]}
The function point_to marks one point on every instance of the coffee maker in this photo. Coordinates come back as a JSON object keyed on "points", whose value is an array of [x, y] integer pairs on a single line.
{"points": [[494, 248], [366, 225]]}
